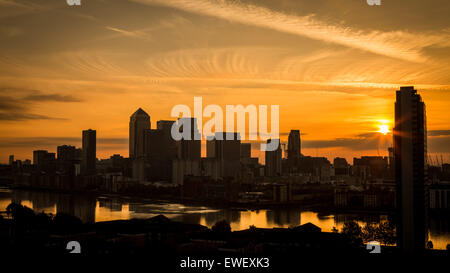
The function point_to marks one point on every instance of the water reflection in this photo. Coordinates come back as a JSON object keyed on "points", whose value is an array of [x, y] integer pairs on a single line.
{"points": [[81, 206], [102, 208]]}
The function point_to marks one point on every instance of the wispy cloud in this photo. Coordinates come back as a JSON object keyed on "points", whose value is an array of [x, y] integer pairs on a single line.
{"points": [[16, 103], [51, 97], [11, 8], [368, 141], [18, 116], [438, 133], [25, 94], [135, 34], [395, 44], [11, 3], [49, 141]]}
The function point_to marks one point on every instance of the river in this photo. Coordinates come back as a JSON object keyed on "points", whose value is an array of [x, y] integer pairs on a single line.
{"points": [[105, 208]]}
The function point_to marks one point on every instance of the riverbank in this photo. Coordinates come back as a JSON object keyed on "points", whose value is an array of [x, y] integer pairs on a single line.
{"points": [[219, 204], [321, 206], [324, 204]]}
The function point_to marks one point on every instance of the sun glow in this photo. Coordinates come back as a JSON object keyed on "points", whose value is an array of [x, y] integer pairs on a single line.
{"points": [[384, 129], [383, 126]]}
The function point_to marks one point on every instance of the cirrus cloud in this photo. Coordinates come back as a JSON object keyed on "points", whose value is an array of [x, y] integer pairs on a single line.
{"points": [[395, 44]]}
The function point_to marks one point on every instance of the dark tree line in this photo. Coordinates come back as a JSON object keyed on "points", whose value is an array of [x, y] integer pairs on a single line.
{"points": [[383, 232], [25, 219]]}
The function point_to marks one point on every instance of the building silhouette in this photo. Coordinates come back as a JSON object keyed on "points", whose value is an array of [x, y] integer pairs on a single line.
{"points": [[370, 167], [293, 152], [139, 122], [190, 149], [160, 149], [68, 153], [88, 160], [226, 149], [410, 153], [294, 145], [41, 156], [68, 157], [273, 160], [44, 160], [341, 166]]}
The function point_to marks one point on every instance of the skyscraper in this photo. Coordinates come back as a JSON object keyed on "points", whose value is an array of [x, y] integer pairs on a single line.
{"points": [[89, 143], [273, 160], [160, 150], [190, 149], [225, 147], [171, 149], [139, 122], [410, 153], [293, 152], [294, 145]]}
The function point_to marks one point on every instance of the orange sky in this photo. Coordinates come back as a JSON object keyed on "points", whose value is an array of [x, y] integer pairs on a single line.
{"points": [[332, 67]]}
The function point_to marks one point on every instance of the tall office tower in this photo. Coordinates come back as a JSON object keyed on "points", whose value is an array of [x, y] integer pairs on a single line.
{"points": [[160, 150], [410, 153], [294, 145], [226, 149], [169, 143], [11, 160], [190, 149], [139, 122], [273, 160], [165, 125], [89, 143]]}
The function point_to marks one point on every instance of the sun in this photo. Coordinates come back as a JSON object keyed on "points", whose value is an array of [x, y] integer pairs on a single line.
{"points": [[383, 125], [384, 129]]}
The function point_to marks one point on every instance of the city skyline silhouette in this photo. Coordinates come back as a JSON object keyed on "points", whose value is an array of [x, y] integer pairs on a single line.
{"points": [[340, 75], [209, 134], [379, 140]]}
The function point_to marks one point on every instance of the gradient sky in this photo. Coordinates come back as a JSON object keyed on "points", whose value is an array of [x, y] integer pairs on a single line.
{"points": [[332, 66]]}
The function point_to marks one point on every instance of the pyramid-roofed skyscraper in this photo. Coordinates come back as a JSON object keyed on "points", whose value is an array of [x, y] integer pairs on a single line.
{"points": [[139, 122]]}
